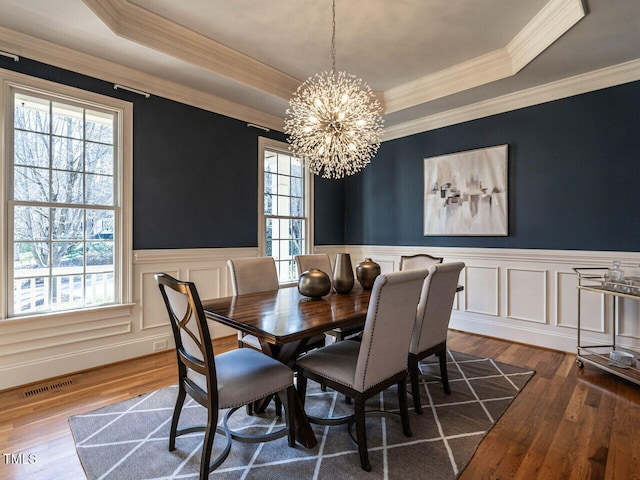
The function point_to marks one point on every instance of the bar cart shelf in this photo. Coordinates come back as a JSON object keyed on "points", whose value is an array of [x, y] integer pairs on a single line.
{"points": [[591, 279]]}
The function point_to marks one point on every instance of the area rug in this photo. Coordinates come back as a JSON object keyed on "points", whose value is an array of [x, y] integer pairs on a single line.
{"points": [[129, 440]]}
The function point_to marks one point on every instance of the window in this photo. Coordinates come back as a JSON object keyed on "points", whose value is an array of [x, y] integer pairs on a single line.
{"points": [[67, 247], [285, 206]]}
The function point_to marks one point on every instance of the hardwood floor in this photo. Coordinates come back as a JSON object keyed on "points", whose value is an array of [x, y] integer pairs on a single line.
{"points": [[567, 423]]}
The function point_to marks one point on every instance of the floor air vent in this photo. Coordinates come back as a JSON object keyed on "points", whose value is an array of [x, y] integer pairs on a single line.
{"points": [[48, 388]]}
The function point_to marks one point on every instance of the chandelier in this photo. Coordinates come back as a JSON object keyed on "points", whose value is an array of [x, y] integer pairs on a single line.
{"points": [[334, 123]]}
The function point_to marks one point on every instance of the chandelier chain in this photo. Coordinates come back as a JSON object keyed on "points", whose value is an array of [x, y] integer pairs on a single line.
{"points": [[333, 40]]}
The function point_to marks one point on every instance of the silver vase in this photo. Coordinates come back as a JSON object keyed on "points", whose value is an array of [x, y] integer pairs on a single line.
{"points": [[343, 279]]}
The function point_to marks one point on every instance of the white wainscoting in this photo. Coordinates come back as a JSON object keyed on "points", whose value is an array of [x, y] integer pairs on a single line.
{"points": [[527, 296]]}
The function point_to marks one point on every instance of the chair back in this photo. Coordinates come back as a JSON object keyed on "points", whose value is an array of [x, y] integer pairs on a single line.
{"points": [[434, 309], [421, 260], [388, 327], [191, 334], [252, 275], [320, 261]]}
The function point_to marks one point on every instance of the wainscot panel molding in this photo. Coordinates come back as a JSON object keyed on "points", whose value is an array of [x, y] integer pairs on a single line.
{"points": [[40, 347], [527, 296]]}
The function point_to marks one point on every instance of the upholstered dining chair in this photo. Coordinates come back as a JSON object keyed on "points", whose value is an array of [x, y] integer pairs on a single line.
{"points": [[252, 275], [226, 381], [360, 370], [432, 322], [420, 260], [320, 261]]}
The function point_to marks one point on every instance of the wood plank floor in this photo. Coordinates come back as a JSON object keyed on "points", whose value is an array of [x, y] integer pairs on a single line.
{"points": [[567, 423]]}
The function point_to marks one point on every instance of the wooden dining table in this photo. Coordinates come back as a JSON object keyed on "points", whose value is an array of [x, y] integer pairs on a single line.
{"points": [[284, 320]]}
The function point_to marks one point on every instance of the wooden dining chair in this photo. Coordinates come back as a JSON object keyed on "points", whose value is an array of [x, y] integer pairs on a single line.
{"points": [[361, 370], [226, 381], [432, 322], [420, 260]]}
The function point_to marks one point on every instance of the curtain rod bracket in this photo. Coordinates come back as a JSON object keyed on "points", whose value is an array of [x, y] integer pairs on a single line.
{"points": [[117, 86]]}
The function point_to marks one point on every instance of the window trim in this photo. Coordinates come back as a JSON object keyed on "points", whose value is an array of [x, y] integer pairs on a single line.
{"points": [[10, 80], [265, 143]]}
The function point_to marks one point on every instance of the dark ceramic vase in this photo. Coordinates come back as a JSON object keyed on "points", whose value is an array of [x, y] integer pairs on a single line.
{"points": [[367, 272], [343, 279], [314, 283]]}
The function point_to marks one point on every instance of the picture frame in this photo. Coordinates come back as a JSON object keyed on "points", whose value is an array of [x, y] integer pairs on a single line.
{"points": [[466, 193]]}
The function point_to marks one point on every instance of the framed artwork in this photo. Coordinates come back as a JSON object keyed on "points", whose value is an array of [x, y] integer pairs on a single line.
{"points": [[465, 193]]}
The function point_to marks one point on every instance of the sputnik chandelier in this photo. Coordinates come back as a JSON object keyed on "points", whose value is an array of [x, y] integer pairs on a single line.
{"points": [[334, 123]]}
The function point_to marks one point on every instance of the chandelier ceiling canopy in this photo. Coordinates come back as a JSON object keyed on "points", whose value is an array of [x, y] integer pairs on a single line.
{"points": [[334, 122]]}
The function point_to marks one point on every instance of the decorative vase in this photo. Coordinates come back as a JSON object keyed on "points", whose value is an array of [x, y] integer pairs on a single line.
{"points": [[366, 272], [343, 273], [314, 283]]}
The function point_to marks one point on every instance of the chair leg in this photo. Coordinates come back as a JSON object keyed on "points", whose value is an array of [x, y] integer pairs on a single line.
{"points": [[347, 400], [176, 416], [404, 408], [442, 355], [207, 445], [361, 434], [414, 373], [278, 404]]}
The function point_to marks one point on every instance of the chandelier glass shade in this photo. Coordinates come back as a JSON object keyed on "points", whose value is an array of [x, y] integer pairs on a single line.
{"points": [[334, 122]]}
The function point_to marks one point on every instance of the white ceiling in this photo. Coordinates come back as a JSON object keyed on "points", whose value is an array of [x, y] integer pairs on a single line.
{"points": [[244, 58]]}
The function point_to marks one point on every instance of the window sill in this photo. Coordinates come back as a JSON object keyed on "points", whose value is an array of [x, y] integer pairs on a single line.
{"points": [[75, 316]]}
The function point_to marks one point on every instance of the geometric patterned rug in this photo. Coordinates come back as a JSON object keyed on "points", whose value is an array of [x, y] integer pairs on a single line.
{"points": [[129, 440]]}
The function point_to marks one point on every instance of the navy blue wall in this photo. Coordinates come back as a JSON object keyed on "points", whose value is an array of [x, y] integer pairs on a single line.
{"points": [[574, 177], [195, 177]]}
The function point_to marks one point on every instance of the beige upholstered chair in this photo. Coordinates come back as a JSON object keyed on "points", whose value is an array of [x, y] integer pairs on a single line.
{"points": [[320, 261], [430, 331], [363, 369], [421, 260], [252, 275], [227, 381]]}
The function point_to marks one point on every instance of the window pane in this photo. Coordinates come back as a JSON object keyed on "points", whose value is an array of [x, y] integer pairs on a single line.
{"points": [[66, 154], [284, 164], [284, 207], [68, 224], [67, 120], [284, 185], [67, 292], [68, 257], [31, 113], [100, 224], [297, 207], [269, 249], [30, 294], [297, 169], [296, 187], [268, 205], [269, 183], [99, 126], [99, 158], [31, 184], [66, 187], [31, 149], [31, 223], [30, 256], [99, 190], [275, 249], [269, 228], [99, 288], [99, 254], [270, 162]]}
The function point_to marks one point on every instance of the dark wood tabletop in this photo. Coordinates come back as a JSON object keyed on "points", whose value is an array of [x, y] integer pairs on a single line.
{"points": [[284, 316]]}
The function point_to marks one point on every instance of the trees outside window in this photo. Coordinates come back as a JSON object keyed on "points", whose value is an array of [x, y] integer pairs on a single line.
{"points": [[63, 204]]}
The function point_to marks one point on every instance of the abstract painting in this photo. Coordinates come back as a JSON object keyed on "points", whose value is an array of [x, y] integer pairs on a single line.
{"points": [[465, 193]]}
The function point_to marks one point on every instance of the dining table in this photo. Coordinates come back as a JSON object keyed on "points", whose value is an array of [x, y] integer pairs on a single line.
{"points": [[284, 320]]}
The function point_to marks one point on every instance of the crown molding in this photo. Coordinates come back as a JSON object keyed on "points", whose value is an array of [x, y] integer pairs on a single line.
{"points": [[141, 26], [549, 24], [576, 85], [63, 57]]}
